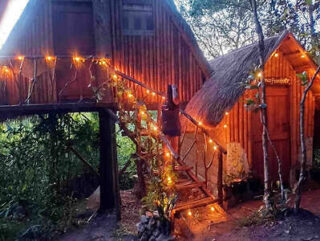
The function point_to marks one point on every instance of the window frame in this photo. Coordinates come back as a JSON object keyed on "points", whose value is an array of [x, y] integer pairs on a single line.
{"points": [[141, 6]]}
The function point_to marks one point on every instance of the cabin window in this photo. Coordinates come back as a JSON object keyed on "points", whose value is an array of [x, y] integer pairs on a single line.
{"points": [[137, 18], [73, 31]]}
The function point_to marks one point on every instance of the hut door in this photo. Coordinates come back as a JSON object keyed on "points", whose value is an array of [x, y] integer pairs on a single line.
{"points": [[278, 102], [73, 35]]}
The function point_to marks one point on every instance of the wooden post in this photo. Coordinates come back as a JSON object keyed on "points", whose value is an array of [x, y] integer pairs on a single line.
{"points": [[220, 177], [109, 187]]}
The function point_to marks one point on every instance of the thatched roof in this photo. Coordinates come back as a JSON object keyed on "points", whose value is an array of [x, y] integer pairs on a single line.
{"points": [[227, 83]]}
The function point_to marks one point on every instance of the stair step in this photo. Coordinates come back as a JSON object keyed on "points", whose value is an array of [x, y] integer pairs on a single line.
{"points": [[183, 168], [189, 185], [194, 204]]}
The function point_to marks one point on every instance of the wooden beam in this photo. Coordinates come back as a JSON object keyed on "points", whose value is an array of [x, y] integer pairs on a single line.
{"points": [[13, 111], [292, 53], [109, 187]]}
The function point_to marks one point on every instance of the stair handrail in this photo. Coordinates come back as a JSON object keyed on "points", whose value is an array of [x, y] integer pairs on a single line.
{"points": [[183, 112]]}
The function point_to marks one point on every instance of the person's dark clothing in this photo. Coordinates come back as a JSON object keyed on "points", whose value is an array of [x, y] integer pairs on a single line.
{"points": [[170, 121]]}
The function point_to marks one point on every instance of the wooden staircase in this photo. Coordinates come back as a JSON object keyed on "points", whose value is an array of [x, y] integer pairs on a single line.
{"points": [[187, 181]]}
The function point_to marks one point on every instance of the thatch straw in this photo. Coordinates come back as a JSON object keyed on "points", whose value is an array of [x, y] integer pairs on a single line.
{"points": [[227, 84]]}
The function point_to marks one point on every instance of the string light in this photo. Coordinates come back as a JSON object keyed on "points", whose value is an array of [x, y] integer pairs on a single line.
{"points": [[130, 95], [169, 180], [225, 126], [215, 148], [259, 74], [276, 55], [303, 56], [20, 57], [78, 59], [200, 123], [153, 93], [189, 213], [163, 97], [114, 77], [212, 209], [167, 154], [227, 113], [210, 141], [49, 58], [148, 91]]}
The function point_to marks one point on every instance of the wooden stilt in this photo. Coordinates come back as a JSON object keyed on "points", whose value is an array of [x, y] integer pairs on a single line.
{"points": [[109, 187]]}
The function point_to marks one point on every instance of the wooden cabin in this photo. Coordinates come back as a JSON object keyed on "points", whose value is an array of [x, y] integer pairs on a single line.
{"points": [[220, 107], [145, 39]]}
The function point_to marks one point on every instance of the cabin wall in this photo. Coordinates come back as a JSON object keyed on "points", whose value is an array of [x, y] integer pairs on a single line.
{"points": [[159, 59], [243, 124], [165, 57], [32, 36]]}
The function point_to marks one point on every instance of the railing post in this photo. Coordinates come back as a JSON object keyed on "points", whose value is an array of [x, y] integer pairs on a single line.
{"points": [[220, 176]]}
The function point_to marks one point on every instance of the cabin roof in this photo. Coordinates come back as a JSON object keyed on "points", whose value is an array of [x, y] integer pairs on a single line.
{"points": [[230, 72]]}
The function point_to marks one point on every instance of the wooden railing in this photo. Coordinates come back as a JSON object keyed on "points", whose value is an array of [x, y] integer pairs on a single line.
{"points": [[218, 152]]}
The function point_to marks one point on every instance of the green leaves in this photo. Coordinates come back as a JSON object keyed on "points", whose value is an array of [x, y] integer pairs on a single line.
{"points": [[304, 78]]}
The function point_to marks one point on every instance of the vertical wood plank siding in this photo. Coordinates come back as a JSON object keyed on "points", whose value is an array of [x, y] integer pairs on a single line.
{"points": [[240, 119], [157, 60], [31, 37]]}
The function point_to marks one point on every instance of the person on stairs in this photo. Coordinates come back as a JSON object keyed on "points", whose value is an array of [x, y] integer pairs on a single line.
{"points": [[171, 125]]}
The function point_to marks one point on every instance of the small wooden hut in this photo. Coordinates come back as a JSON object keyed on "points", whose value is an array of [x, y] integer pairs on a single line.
{"points": [[220, 107]]}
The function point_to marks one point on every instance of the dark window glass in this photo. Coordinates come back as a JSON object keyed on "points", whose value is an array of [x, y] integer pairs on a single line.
{"points": [[137, 23], [150, 25], [137, 18], [125, 22]]}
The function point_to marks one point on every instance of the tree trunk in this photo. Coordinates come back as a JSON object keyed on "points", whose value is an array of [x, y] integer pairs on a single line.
{"points": [[263, 113], [303, 144]]}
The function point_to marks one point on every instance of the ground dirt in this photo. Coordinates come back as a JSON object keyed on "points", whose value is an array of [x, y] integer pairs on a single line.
{"points": [[302, 227], [106, 228], [208, 225]]}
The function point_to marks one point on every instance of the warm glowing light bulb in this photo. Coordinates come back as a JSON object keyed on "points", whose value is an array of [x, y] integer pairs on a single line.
{"points": [[215, 148], [155, 128], [49, 58], [200, 123], [189, 213], [114, 76], [227, 113], [169, 179], [6, 69], [210, 141], [130, 95], [77, 59], [225, 126], [276, 55], [163, 97], [153, 93], [259, 74], [148, 91], [167, 154], [303, 56], [212, 209]]}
